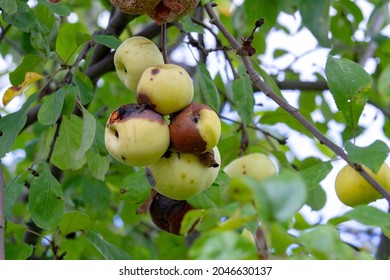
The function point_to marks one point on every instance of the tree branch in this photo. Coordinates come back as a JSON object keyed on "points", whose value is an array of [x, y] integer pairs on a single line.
{"points": [[261, 85], [2, 218]]}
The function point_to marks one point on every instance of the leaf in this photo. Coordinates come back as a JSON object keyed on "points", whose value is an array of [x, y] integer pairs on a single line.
{"points": [[107, 40], [18, 251], [96, 197], [206, 87], [85, 87], [52, 106], [8, 6], [98, 165], [324, 243], [61, 8], [74, 221], [46, 201], [371, 156], [68, 143], [30, 63], [349, 84], [244, 100], [88, 134], [12, 124], [108, 250], [315, 16], [70, 100], [136, 187], [24, 18], [280, 239], [190, 26], [12, 192], [369, 215], [13, 91], [227, 245], [384, 83], [210, 198]]}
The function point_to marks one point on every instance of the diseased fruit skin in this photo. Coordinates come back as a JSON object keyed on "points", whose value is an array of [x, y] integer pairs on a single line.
{"points": [[352, 189], [132, 57], [165, 88], [167, 214], [196, 129], [256, 165], [180, 176], [136, 136], [135, 7]]}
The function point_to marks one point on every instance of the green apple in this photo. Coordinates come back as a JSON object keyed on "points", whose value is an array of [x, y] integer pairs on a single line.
{"points": [[196, 129], [180, 176], [165, 88], [136, 136], [352, 189], [256, 165], [132, 57]]}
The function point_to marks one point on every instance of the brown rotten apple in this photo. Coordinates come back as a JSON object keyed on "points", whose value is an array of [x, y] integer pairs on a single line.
{"points": [[196, 129], [167, 214], [180, 176], [136, 136], [166, 88]]}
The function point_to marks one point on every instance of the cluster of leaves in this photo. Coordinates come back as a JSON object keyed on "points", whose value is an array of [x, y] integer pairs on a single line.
{"points": [[68, 199]]}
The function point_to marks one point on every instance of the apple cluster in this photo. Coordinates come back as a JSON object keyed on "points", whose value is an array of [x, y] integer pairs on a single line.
{"points": [[165, 132]]}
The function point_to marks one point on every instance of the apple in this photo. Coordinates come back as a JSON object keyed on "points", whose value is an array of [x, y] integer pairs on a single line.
{"points": [[180, 176], [196, 129], [352, 189], [165, 88], [172, 10], [256, 165], [136, 136], [135, 7], [132, 57], [167, 214]]}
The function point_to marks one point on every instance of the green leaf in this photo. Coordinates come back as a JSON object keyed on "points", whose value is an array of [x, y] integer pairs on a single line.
{"points": [[206, 87], [96, 197], [280, 239], [315, 16], [371, 156], [52, 106], [12, 124], [12, 192], [210, 198], [88, 134], [46, 201], [24, 18], [70, 100], [8, 6], [107, 40], [190, 26], [98, 165], [61, 8], [136, 187], [40, 37], [74, 221], [324, 243], [384, 83], [85, 87], [369, 215], [68, 143], [244, 100], [108, 250], [30, 63], [226, 245], [18, 251], [349, 84]]}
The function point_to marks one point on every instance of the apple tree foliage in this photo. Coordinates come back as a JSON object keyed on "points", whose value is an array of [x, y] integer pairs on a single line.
{"points": [[66, 198]]}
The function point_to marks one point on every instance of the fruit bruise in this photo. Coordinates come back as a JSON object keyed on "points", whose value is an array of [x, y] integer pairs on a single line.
{"points": [[167, 214], [128, 135]]}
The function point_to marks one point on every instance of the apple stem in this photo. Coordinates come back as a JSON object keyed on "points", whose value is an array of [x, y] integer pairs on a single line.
{"points": [[164, 43]]}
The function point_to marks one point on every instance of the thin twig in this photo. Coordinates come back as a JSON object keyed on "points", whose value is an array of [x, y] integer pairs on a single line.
{"points": [[54, 140], [261, 85], [163, 43]]}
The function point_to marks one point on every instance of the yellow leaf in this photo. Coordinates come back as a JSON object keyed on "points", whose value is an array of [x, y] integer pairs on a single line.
{"points": [[13, 91]]}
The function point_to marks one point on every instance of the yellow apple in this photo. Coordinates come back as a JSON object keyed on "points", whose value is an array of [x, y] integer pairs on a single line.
{"points": [[165, 88], [136, 136], [352, 189], [256, 165], [196, 129], [180, 176], [132, 57]]}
